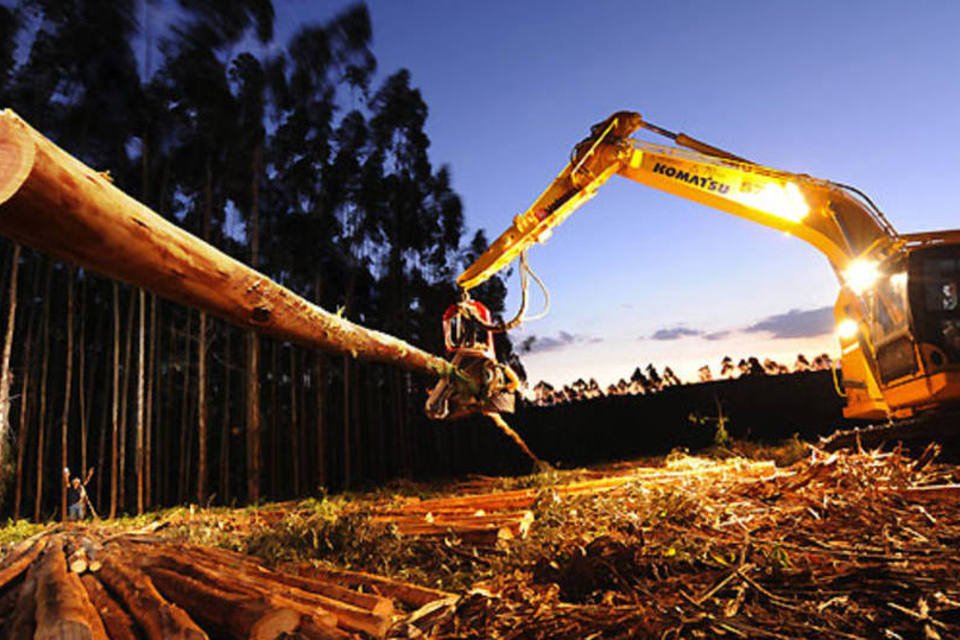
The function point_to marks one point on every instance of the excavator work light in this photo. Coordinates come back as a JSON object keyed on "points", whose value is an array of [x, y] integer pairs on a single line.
{"points": [[847, 329], [861, 275]]}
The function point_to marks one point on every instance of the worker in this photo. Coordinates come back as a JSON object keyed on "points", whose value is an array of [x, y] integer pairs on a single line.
{"points": [[76, 496]]}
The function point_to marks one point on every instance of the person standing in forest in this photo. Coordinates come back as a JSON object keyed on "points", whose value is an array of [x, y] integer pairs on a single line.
{"points": [[76, 496]]}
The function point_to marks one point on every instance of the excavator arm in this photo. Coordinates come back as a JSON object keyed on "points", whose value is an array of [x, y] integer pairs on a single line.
{"points": [[837, 220], [898, 312]]}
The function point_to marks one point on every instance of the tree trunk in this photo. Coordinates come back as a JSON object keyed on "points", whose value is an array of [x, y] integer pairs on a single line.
{"points": [[225, 425], [102, 447], [86, 220], [114, 406], [202, 409], [6, 378], [42, 420], [184, 478], [320, 399], [141, 373], [148, 420], [22, 427], [347, 462], [65, 417], [81, 375], [359, 468], [294, 422], [253, 342], [253, 417], [124, 400], [202, 352], [274, 420]]}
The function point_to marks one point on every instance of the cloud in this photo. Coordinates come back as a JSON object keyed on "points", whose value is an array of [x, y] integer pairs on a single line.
{"points": [[538, 344], [796, 323], [675, 333], [717, 335]]}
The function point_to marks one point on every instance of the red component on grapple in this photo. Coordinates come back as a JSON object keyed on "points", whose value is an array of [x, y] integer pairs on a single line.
{"points": [[463, 333]]}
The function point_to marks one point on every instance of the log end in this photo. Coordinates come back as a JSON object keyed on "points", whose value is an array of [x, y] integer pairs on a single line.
{"points": [[17, 151], [276, 623]]}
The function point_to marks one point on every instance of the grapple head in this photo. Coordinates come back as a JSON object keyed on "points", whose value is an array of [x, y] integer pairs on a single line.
{"points": [[482, 385]]}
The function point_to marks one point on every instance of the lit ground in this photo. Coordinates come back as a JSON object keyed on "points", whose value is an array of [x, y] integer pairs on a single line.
{"points": [[836, 545]]}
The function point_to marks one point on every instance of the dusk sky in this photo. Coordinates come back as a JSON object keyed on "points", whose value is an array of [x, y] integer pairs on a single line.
{"points": [[863, 93]]}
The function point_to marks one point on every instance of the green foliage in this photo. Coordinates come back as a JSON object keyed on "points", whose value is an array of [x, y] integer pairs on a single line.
{"points": [[15, 531]]}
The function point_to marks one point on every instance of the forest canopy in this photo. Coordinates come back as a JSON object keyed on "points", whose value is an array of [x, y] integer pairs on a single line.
{"points": [[301, 158]]}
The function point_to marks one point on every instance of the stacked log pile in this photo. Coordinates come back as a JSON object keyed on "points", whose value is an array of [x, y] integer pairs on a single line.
{"points": [[72, 585]]}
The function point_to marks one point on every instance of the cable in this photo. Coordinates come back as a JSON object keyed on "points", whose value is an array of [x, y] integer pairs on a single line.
{"points": [[546, 295], [520, 317]]}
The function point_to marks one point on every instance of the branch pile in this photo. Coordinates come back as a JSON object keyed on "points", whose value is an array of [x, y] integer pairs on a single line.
{"points": [[845, 545]]}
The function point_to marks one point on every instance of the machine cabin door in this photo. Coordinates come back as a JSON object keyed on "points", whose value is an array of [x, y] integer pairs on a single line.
{"points": [[935, 303], [889, 319]]}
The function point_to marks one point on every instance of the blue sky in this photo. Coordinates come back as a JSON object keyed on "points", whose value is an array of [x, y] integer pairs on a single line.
{"points": [[858, 92]]}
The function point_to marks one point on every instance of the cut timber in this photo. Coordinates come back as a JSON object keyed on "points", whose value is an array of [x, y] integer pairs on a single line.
{"points": [[158, 618], [63, 608], [345, 615], [522, 499], [19, 563], [311, 630], [23, 623], [78, 561], [115, 619], [52, 202], [411, 595], [375, 604], [241, 617]]}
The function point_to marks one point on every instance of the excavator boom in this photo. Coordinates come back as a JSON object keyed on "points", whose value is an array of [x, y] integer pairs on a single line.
{"points": [[833, 218], [897, 313]]}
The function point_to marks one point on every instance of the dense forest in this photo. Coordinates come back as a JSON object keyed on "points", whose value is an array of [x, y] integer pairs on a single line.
{"points": [[299, 158]]}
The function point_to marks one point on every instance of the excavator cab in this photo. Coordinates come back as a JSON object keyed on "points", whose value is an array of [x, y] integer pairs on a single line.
{"points": [[911, 337], [487, 386]]}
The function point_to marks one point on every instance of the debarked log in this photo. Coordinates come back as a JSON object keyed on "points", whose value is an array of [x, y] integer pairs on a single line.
{"points": [[54, 203]]}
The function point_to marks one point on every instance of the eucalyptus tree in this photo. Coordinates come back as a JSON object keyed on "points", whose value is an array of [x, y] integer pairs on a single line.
{"points": [[196, 76], [314, 157]]}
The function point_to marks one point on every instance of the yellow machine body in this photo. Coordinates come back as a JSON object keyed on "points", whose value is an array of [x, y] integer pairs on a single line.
{"points": [[897, 314]]}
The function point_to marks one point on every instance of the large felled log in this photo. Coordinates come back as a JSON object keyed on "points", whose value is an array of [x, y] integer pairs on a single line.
{"points": [[63, 608], [24, 620], [56, 204], [158, 618], [8, 603], [254, 618], [119, 625], [20, 561]]}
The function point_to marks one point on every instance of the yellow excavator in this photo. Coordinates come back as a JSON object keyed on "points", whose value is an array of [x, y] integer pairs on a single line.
{"points": [[897, 314]]}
